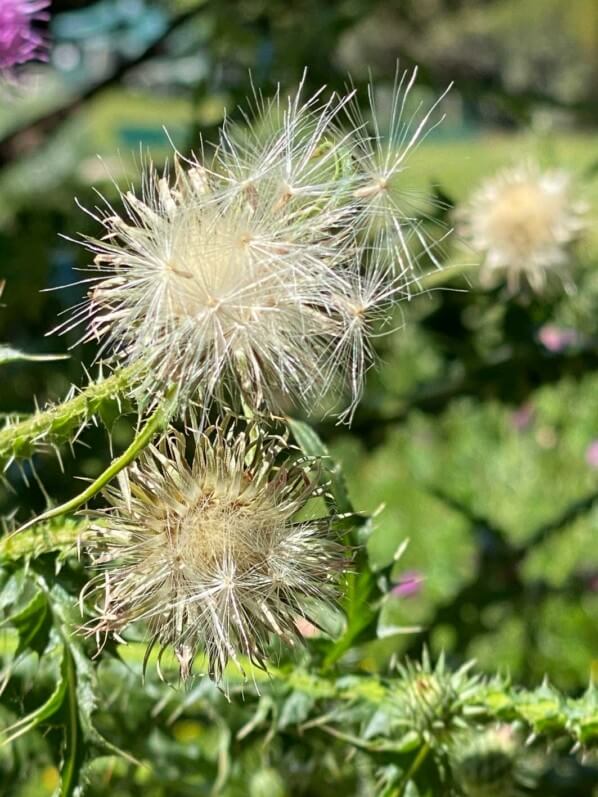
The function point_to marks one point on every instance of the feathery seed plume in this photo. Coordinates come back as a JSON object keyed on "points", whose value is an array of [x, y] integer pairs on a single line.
{"points": [[256, 273]]}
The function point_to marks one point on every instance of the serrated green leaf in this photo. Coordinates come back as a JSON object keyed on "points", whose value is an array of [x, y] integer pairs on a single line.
{"points": [[295, 709], [47, 710], [311, 445], [362, 590], [83, 676], [362, 601], [542, 709], [33, 623]]}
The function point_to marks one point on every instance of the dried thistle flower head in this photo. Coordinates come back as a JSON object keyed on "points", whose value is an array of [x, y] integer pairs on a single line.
{"points": [[261, 273], [210, 554], [524, 222]]}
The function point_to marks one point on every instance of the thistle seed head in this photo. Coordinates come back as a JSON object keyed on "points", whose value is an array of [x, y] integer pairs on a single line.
{"points": [[259, 273], [524, 222], [211, 555]]}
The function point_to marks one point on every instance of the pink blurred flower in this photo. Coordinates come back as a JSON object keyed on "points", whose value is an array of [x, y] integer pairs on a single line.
{"points": [[592, 454], [557, 339], [522, 417], [408, 585], [19, 41]]}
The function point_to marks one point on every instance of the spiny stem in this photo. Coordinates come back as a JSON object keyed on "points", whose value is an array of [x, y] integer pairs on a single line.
{"points": [[42, 538], [156, 423], [51, 426]]}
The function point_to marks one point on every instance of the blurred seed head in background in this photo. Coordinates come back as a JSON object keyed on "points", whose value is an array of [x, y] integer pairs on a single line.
{"points": [[524, 222]]}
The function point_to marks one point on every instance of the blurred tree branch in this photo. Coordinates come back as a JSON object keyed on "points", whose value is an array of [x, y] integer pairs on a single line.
{"points": [[25, 140], [498, 576]]}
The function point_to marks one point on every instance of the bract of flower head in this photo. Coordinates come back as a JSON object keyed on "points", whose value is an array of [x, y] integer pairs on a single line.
{"points": [[19, 40], [210, 553], [524, 222], [254, 274]]}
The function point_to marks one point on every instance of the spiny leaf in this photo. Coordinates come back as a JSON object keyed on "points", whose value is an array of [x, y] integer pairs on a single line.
{"points": [[312, 445], [55, 535], [366, 589], [33, 623], [363, 591], [47, 710]]}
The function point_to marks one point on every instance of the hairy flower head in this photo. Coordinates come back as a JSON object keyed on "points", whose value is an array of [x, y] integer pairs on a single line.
{"points": [[260, 272], [211, 555], [523, 222], [19, 41]]}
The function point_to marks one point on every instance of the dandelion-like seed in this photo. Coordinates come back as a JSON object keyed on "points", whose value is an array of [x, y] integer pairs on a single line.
{"points": [[255, 275], [19, 41], [524, 222], [210, 554]]}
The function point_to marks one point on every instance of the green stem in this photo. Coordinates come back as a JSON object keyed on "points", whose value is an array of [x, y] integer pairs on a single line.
{"points": [[436, 279], [54, 425], [156, 423], [415, 765]]}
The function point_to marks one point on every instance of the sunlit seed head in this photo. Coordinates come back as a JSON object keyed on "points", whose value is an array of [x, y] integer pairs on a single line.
{"points": [[524, 222], [241, 278], [210, 554]]}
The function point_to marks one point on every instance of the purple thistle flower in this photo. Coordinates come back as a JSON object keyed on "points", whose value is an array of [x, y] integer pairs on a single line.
{"points": [[409, 584], [19, 41]]}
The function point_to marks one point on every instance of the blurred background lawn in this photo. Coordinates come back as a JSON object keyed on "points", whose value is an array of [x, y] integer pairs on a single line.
{"points": [[473, 434]]}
